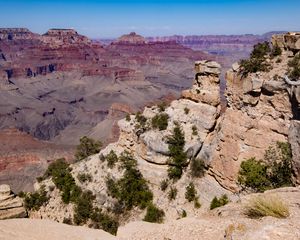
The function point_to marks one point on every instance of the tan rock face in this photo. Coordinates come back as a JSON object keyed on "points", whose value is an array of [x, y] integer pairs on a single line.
{"points": [[259, 112], [10, 205], [289, 41], [206, 84]]}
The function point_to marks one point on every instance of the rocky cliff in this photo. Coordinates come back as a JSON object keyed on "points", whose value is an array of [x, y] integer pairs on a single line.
{"points": [[260, 111]]}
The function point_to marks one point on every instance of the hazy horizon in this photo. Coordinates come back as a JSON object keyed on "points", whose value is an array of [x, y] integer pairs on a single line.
{"points": [[110, 19]]}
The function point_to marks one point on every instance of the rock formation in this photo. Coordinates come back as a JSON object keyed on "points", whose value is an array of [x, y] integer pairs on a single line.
{"points": [[131, 38], [10, 205]]}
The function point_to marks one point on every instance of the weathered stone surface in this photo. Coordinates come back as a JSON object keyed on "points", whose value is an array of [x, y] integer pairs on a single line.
{"points": [[206, 84], [10, 205], [289, 40], [294, 139]]}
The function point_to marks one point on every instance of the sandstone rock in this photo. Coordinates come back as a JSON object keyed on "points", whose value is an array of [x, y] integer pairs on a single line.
{"points": [[206, 84], [235, 66], [10, 206], [294, 140], [290, 41]]}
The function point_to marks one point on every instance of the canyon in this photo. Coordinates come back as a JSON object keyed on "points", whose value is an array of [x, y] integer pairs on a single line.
{"points": [[262, 109]]}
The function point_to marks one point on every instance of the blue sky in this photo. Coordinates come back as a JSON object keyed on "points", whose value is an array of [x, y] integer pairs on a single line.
{"points": [[105, 19]]}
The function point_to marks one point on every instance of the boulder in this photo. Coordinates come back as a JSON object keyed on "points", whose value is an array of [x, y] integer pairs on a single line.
{"points": [[10, 205]]}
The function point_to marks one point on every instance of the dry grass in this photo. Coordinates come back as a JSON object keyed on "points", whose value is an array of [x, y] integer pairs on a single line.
{"points": [[270, 205]]}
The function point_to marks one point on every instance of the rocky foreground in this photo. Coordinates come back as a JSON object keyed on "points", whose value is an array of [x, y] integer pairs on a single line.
{"points": [[227, 222]]}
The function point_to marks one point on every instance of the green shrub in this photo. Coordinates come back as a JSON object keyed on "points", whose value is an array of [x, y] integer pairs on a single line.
{"points": [[276, 51], [33, 201], [254, 174], [172, 193], [294, 67], [83, 177], [190, 192], [103, 221], [263, 206], [83, 208], [162, 106], [164, 185], [194, 130], [186, 110], [260, 50], [154, 214], [132, 189], [257, 61], [160, 121], [276, 171], [178, 158], [197, 204], [183, 214], [67, 221], [87, 147], [111, 159], [219, 202], [197, 168], [128, 117], [127, 161], [279, 158], [62, 178], [140, 119]]}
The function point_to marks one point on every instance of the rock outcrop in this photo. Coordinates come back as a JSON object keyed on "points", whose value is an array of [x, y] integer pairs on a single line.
{"points": [[288, 41], [10, 205], [131, 38], [259, 111]]}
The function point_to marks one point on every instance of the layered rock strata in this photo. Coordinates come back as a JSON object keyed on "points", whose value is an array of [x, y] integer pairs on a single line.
{"points": [[10, 205]]}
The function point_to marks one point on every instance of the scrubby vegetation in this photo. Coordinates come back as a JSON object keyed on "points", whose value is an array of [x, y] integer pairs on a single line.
{"points": [[33, 201], [162, 106], [294, 67], [164, 185], [190, 192], [219, 202], [186, 110], [262, 206], [84, 177], [84, 210], [279, 158], [103, 221], [197, 167], [275, 171], [87, 147], [154, 214], [253, 174], [160, 121], [178, 158], [83, 207], [132, 189], [172, 193], [276, 51], [128, 117], [257, 61], [194, 130], [111, 159], [140, 118]]}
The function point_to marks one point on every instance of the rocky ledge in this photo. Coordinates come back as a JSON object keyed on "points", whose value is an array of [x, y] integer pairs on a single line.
{"points": [[10, 205]]}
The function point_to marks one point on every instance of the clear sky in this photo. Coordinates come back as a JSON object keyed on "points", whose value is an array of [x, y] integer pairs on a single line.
{"points": [[106, 19]]}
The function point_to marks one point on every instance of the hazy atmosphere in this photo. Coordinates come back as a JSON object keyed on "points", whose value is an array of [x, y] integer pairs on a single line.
{"points": [[107, 19]]}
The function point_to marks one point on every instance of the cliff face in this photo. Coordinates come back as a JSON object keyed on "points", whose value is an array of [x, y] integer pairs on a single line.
{"points": [[259, 112]]}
